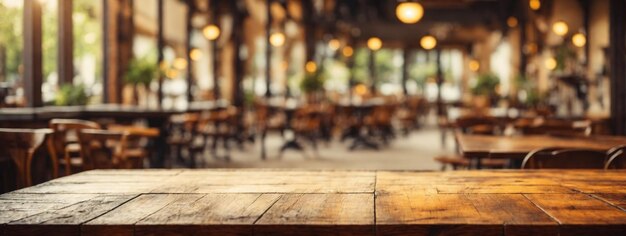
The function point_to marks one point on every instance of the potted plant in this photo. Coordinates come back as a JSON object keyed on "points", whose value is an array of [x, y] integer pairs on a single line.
{"points": [[71, 95], [485, 89], [140, 73], [312, 85]]}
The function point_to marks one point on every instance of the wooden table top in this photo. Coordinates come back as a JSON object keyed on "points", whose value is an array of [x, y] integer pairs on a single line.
{"points": [[285, 202], [518, 146]]}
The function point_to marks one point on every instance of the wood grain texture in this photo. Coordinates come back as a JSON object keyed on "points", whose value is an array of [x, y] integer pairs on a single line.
{"points": [[319, 214], [519, 146], [285, 202]]}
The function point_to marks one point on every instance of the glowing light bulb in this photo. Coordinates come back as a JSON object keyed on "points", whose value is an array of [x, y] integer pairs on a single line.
{"points": [[579, 40], [277, 39], [511, 21], [560, 28], [347, 51], [428, 42], [195, 54], [374, 43], [534, 4], [550, 63], [180, 63], [334, 44], [409, 12], [310, 67], [211, 32]]}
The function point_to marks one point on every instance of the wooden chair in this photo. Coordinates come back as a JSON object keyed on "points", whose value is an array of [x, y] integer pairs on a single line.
{"points": [[616, 158], [102, 149], [20, 145], [556, 158], [63, 143], [135, 151]]}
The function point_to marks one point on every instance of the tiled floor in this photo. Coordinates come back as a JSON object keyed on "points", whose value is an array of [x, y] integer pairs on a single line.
{"points": [[413, 152]]}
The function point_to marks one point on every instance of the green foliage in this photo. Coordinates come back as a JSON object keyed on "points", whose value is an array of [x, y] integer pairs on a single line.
{"points": [[313, 82], [486, 84], [71, 95], [533, 96], [564, 54], [10, 40], [141, 71]]}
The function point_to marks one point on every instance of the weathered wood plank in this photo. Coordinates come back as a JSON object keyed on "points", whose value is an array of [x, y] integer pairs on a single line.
{"points": [[122, 219], [581, 214], [419, 213], [16, 206], [319, 214], [66, 220], [247, 181], [210, 214]]}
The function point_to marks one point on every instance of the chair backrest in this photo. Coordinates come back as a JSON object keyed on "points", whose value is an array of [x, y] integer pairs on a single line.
{"points": [[477, 124], [555, 158], [559, 127], [20, 145], [65, 131], [101, 149], [616, 158]]}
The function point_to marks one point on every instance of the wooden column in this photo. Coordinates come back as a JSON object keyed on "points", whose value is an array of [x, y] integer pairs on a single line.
{"points": [[373, 72], [439, 84], [65, 42], [160, 46], [268, 51], [188, 50], [617, 60], [523, 60], [217, 93], [118, 46], [405, 69], [238, 64], [33, 74]]}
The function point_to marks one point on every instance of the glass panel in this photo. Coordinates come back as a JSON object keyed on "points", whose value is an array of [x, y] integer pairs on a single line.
{"points": [[11, 93], [49, 47], [88, 60]]}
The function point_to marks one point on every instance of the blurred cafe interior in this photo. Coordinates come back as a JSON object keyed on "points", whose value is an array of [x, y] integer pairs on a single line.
{"points": [[514, 99]]}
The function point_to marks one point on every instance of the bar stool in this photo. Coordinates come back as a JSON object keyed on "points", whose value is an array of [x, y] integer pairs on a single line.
{"points": [[21, 145]]}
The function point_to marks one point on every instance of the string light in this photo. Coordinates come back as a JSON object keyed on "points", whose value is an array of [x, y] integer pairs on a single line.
{"points": [[474, 65], [347, 51], [334, 44], [511, 21], [550, 63], [195, 54], [310, 67], [534, 4]]}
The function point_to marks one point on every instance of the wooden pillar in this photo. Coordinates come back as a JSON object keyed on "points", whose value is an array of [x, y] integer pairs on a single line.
{"points": [[373, 72], [33, 74], [586, 7], [160, 47], [217, 93], [523, 59], [65, 42], [405, 69], [617, 60], [118, 46], [238, 64], [439, 84], [268, 51], [188, 50]]}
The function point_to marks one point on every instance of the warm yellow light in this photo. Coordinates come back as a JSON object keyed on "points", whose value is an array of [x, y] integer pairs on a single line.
{"points": [[284, 65], [530, 48], [550, 63], [163, 65], [171, 73], [579, 40], [474, 65], [360, 89], [560, 28], [180, 63], [195, 54], [511, 21], [374, 43], [310, 67], [277, 39], [334, 44], [409, 12], [347, 51], [534, 4], [428, 42], [211, 32]]}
